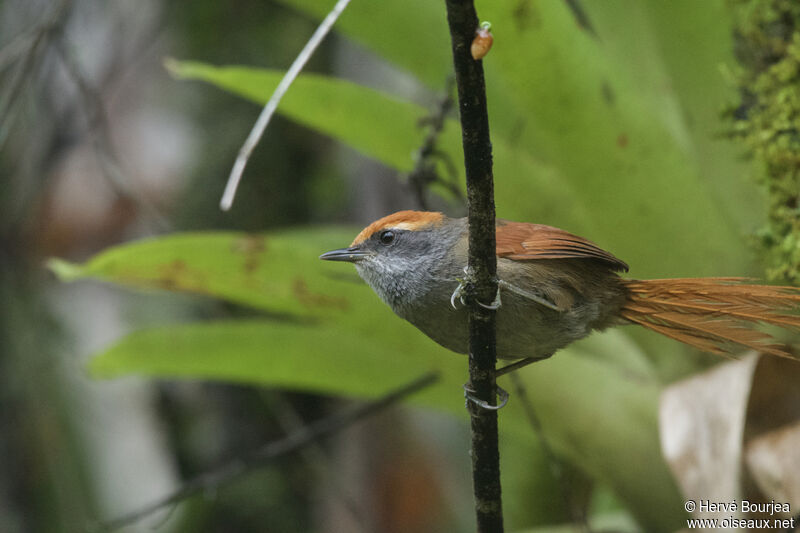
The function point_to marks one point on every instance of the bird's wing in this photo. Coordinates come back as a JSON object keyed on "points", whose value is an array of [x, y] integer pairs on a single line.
{"points": [[525, 242]]}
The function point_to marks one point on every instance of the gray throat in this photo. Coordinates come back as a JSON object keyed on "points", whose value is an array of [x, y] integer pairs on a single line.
{"points": [[405, 278]]}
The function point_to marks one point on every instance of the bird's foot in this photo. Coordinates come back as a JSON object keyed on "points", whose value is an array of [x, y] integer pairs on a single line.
{"points": [[502, 395], [461, 291]]}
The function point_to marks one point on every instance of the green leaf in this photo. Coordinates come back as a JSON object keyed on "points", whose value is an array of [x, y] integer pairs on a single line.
{"points": [[279, 273], [612, 137], [618, 137], [412, 34], [316, 356], [678, 49], [624, 122], [65, 270], [335, 107], [587, 408], [387, 129], [332, 335]]}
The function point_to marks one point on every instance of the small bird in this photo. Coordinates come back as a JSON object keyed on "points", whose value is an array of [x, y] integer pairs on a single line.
{"points": [[554, 288]]}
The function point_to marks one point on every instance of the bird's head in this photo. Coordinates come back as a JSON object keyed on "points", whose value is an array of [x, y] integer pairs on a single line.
{"points": [[398, 254]]}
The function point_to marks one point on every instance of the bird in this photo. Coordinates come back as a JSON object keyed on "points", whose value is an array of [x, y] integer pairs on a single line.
{"points": [[554, 288]]}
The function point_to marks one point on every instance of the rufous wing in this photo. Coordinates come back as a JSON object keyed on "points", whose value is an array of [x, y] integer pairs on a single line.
{"points": [[527, 242]]}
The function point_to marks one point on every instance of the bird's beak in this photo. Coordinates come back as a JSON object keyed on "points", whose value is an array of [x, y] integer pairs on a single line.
{"points": [[351, 255]]}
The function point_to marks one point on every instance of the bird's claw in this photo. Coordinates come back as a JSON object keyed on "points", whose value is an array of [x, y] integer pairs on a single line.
{"points": [[502, 395], [460, 292], [495, 305]]}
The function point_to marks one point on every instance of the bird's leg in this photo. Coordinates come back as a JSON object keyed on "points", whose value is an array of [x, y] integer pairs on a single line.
{"points": [[461, 290], [514, 366], [517, 365], [501, 393], [525, 294]]}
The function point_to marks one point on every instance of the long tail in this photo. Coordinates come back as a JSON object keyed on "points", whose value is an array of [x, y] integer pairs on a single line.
{"points": [[713, 314]]}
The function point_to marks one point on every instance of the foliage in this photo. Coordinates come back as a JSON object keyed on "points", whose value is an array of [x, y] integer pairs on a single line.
{"points": [[766, 120], [326, 332], [607, 131]]}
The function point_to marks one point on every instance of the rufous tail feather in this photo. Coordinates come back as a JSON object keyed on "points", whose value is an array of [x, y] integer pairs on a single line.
{"points": [[715, 315]]}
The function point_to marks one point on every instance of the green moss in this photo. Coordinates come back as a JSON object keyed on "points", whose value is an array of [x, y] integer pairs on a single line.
{"points": [[767, 120]]}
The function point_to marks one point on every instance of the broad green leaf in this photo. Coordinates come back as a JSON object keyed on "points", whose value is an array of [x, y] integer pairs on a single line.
{"points": [[619, 140], [693, 43], [388, 130], [626, 121], [412, 34], [335, 107], [316, 356], [613, 137], [592, 414], [279, 272], [332, 335]]}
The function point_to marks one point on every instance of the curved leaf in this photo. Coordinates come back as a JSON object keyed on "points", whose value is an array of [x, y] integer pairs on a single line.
{"points": [[412, 33], [332, 335], [625, 117], [388, 129], [332, 106], [586, 407]]}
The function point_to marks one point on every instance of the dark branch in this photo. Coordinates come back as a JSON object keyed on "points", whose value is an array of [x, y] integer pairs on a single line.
{"points": [[317, 457], [463, 22], [427, 155], [292, 442]]}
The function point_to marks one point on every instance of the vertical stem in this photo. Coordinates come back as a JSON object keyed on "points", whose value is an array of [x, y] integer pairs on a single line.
{"points": [[463, 22]]}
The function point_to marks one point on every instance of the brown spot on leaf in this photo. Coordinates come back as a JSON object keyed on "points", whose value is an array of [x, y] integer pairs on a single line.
{"points": [[608, 94], [312, 299], [252, 247], [169, 275], [581, 17], [526, 16], [178, 276], [622, 140]]}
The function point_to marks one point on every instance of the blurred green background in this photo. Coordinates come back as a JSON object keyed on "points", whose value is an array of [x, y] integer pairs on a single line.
{"points": [[120, 124]]}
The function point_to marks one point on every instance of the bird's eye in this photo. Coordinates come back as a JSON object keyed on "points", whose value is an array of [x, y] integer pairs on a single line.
{"points": [[386, 237]]}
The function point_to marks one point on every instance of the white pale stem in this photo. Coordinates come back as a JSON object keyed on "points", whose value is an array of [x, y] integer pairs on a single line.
{"points": [[269, 109]]}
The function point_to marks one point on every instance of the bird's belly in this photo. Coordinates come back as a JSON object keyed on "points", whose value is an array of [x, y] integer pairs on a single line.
{"points": [[524, 328]]}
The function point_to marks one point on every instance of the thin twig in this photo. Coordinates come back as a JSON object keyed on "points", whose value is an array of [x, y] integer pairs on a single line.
{"points": [[316, 456], [306, 435], [25, 41], [92, 102], [424, 173], [20, 76], [521, 394], [19, 46], [269, 109], [463, 21], [27, 51]]}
